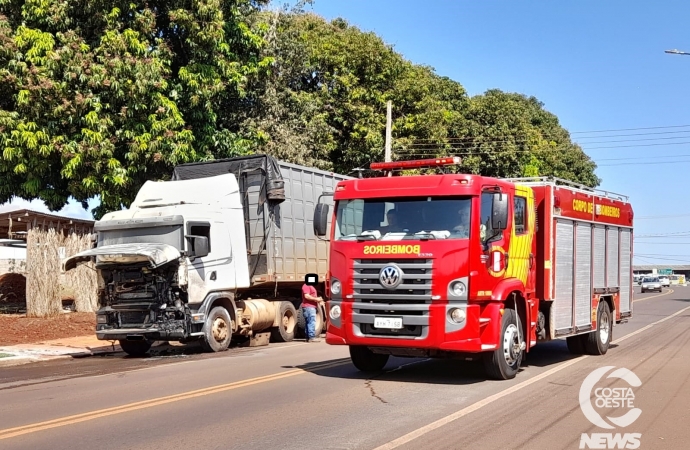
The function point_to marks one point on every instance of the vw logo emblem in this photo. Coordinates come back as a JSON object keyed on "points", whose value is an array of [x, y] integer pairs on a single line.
{"points": [[390, 277]]}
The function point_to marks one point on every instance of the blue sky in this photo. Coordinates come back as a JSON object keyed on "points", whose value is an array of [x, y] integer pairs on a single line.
{"points": [[597, 65]]}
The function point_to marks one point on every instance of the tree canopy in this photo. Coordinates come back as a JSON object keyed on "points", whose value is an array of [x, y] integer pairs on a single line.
{"points": [[97, 97]]}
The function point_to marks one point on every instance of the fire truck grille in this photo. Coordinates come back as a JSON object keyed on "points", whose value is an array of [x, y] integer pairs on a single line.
{"points": [[415, 287]]}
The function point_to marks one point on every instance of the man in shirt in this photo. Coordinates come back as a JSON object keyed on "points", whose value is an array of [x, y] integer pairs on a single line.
{"points": [[310, 301]]}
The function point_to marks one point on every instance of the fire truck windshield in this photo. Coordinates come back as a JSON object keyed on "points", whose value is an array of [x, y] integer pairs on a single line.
{"points": [[403, 218]]}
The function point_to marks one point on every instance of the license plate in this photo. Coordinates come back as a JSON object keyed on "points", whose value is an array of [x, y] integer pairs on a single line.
{"points": [[392, 323]]}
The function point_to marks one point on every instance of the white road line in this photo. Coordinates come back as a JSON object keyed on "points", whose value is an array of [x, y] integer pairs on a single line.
{"points": [[482, 403]]}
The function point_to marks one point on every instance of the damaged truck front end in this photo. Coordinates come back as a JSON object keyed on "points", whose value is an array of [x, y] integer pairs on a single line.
{"points": [[142, 282]]}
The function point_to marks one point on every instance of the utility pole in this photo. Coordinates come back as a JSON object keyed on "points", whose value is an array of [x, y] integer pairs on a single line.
{"points": [[389, 133]]}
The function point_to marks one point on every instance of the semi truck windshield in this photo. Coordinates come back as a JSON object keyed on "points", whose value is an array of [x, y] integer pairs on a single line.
{"points": [[403, 219]]}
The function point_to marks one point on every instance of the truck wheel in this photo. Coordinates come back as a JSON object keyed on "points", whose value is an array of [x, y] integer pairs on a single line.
{"points": [[597, 342], [301, 330], [504, 362], [576, 344], [319, 325], [285, 331], [217, 330], [365, 360], [135, 348]]}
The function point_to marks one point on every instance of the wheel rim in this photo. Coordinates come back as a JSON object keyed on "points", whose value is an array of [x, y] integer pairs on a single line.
{"points": [[511, 345], [604, 327], [220, 330], [289, 322]]}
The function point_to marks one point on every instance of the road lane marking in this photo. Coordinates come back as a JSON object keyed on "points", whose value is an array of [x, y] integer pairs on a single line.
{"points": [[482, 403], [69, 420], [670, 291]]}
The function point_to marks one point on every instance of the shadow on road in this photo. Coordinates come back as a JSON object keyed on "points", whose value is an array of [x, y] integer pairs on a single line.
{"points": [[436, 371]]}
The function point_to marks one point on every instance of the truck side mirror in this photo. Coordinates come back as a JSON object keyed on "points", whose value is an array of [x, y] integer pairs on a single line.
{"points": [[321, 219], [499, 213], [199, 246]]}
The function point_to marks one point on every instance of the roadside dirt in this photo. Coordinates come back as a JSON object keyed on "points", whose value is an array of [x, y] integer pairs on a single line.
{"points": [[18, 329]]}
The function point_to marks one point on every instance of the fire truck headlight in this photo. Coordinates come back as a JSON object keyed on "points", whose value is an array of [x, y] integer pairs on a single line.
{"points": [[458, 289], [457, 315], [335, 312], [335, 287]]}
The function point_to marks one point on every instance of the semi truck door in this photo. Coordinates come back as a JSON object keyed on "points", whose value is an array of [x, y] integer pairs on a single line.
{"points": [[213, 271]]}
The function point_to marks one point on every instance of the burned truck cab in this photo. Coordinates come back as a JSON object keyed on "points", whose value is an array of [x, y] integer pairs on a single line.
{"points": [[155, 263]]}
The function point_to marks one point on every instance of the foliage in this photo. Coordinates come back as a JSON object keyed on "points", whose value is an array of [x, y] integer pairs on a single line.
{"points": [[97, 97]]}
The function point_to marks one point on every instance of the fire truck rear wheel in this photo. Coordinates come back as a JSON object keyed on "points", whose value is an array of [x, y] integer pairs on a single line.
{"points": [[597, 342], [367, 361], [504, 362], [217, 331]]}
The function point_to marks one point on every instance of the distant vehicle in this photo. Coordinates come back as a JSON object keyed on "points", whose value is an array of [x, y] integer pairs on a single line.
{"points": [[677, 279], [651, 284], [664, 280]]}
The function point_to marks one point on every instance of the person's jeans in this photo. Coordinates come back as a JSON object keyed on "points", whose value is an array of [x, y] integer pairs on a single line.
{"points": [[310, 321]]}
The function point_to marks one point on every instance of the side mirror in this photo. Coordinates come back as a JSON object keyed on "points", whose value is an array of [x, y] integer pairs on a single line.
{"points": [[499, 213], [321, 219], [199, 246]]}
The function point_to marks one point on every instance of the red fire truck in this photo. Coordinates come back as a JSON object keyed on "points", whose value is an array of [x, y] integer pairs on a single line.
{"points": [[455, 265]]}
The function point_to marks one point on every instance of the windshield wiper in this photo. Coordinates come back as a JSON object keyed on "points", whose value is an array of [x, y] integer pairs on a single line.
{"points": [[424, 236]]}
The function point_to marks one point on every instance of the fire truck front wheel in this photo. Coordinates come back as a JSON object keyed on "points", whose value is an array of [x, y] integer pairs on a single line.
{"points": [[504, 362], [365, 360]]}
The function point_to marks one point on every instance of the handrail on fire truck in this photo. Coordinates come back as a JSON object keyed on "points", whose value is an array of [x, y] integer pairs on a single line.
{"points": [[555, 181]]}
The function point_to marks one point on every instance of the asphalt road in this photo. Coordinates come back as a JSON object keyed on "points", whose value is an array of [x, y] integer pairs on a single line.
{"points": [[308, 396]]}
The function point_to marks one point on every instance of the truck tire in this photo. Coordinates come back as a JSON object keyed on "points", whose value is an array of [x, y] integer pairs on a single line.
{"points": [[504, 362], [285, 331], [576, 344], [301, 331], [135, 348], [598, 342], [367, 361], [217, 330]]}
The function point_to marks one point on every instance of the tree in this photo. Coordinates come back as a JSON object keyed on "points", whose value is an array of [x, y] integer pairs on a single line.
{"points": [[510, 135], [97, 97]]}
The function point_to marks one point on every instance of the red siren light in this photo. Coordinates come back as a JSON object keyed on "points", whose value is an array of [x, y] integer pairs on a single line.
{"points": [[416, 163]]}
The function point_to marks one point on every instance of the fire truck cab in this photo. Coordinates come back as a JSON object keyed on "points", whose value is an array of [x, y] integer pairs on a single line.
{"points": [[458, 265]]}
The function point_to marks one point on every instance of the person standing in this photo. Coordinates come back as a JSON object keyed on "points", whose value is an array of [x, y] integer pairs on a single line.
{"points": [[310, 301]]}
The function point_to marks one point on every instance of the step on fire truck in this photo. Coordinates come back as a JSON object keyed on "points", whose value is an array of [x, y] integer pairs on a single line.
{"points": [[456, 265]]}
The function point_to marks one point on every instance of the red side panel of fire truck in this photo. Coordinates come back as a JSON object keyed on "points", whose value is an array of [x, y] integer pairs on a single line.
{"points": [[583, 254]]}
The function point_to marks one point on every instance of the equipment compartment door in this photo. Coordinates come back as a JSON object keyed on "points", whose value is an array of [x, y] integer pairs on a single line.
{"points": [[563, 304], [626, 273], [583, 274]]}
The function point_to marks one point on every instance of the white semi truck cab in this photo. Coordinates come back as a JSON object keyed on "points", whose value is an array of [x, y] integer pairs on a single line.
{"points": [[218, 253]]}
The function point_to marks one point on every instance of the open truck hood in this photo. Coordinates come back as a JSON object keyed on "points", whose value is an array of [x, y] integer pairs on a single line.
{"points": [[155, 254]]}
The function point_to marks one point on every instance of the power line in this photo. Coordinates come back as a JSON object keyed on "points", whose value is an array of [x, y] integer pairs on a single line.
{"points": [[478, 145], [632, 129], [661, 217], [462, 138]]}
